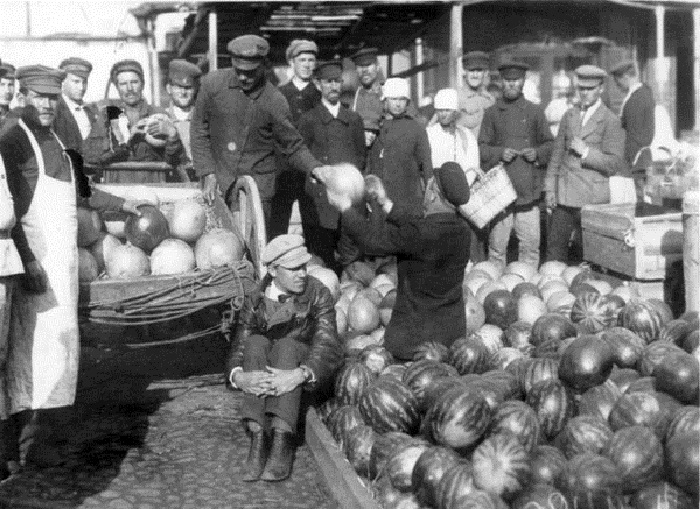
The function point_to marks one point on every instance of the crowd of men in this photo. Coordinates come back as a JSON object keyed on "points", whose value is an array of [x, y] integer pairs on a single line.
{"points": [[235, 122]]}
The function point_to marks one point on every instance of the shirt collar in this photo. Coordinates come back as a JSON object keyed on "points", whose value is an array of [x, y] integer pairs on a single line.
{"points": [[633, 89], [299, 84], [334, 109], [273, 291], [593, 107]]}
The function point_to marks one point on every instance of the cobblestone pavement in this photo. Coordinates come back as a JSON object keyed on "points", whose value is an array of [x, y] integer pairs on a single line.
{"points": [[155, 428]]}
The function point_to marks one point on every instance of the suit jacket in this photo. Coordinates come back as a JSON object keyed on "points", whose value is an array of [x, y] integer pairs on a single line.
{"points": [[578, 181], [638, 122], [331, 140], [66, 127]]}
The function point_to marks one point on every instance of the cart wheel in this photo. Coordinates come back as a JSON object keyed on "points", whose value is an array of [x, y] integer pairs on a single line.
{"points": [[250, 220]]}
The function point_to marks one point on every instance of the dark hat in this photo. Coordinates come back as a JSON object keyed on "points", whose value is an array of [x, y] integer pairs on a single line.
{"points": [[286, 250], [589, 75], [366, 56], [622, 67], [475, 60], [183, 73], [299, 46], [248, 51], [77, 66], [7, 69], [453, 183], [125, 66], [512, 69], [41, 79], [331, 70]]}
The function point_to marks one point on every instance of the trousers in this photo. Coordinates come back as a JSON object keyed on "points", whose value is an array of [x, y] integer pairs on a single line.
{"points": [[285, 353], [526, 221], [564, 222]]}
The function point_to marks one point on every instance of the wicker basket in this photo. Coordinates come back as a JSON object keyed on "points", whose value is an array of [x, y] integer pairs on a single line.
{"points": [[490, 193]]}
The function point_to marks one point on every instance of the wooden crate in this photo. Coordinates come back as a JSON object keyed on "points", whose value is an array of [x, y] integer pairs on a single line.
{"points": [[646, 247]]}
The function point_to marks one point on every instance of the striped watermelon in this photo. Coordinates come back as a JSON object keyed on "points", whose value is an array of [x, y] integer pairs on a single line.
{"points": [[653, 355], [586, 362], [623, 377], [599, 401], [400, 464], [554, 406], [519, 420], [684, 419], [327, 408], [517, 335], [662, 495], [480, 499], [637, 408], [394, 371], [551, 326], [431, 350], [592, 481], [468, 355], [547, 464], [376, 358], [626, 346], [642, 384], [351, 382], [422, 374], [501, 466], [383, 447], [675, 332], [342, 421], [586, 434], [457, 482], [678, 374], [504, 357], [429, 471], [388, 405], [457, 418], [492, 393], [682, 455], [638, 455], [506, 382], [644, 319], [538, 496], [591, 313], [438, 388], [539, 370], [358, 447]]}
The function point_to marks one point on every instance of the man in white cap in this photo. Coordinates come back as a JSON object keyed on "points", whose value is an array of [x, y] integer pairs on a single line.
{"points": [[400, 155], [285, 343]]}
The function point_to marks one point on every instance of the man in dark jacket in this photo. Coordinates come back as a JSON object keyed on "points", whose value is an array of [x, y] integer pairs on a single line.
{"points": [[334, 134], [515, 132], [432, 253], [285, 342], [74, 118]]}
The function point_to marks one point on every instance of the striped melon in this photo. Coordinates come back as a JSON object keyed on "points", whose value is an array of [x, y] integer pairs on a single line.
{"points": [[638, 455], [389, 405], [501, 466], [554, 406]]}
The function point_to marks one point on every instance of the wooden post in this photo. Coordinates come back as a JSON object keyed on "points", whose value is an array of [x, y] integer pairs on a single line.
{"points": [[154, 63], [213, 41], [418, 60], [696, 65], [661, 69], [456, 46]]}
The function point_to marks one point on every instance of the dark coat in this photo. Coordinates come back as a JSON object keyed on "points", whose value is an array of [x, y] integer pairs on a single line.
{"points": [[300, 101], [519, 124], [308, 318], [234, 133], [331, 141], [400, 156], [66, 128], [432, 253], [638, 122]]}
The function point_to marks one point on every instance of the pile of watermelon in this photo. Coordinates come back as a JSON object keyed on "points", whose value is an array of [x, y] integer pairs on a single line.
{"points": [[566, 393]]}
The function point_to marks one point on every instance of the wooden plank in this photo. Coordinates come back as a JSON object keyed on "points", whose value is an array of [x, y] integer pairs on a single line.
{"points": [[340, 478]]}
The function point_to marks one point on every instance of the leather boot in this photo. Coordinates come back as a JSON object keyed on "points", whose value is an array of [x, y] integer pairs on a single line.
{"points": [[279, 464], [255, 462]]}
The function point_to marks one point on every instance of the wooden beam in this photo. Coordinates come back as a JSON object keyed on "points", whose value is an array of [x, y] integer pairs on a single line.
{"points": [[213, 40], [456, 46]]}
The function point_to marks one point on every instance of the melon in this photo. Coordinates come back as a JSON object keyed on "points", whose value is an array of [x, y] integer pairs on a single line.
{"points": [[501, 466], [552, 268], [341, 321], [475, 313], [172, 256], [489, 288], [126, 262], [431, 467], [381, 279], [491, 336], [389, 405], [351, 381], [187, 220], [530, 309], [492, 268], [363, 315], [638, 455], [88, 269], [217, 248], [522, 269], [328, 278], [511, 281], [345, 179], [89, 226], [519, 420], [147, 230], [474, 280], [103, 247]]}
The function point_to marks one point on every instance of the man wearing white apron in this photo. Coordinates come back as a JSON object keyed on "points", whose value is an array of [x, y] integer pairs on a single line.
{"points": [[42, 365]]}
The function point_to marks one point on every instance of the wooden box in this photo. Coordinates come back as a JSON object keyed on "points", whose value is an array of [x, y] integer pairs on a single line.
{"points": [[641, 241]]}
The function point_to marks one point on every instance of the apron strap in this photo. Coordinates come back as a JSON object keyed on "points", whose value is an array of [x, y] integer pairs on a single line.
{"points": [[37, 149]]}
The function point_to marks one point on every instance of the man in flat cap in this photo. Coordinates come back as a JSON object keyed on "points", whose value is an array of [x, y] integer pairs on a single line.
{"points": [[239, 121], [637, 117], [182, 87], [7, 89], [432, 252], [74, 119], [589, 148], [41, 371], [334, 134], [301, 95], [473, 97], [285, 344], [368, 96], [515, 132]]}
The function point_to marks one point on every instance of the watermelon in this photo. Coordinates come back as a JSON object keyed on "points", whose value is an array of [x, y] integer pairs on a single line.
{"points": [[475, 313], [376, 358], [519, 420], [392, 498], [540, 496], [457, 418], [384, 446], [501, 466], [400, 464], [553, 404], [388, 405], [517, 335], [468, 355], [615, 303], [501, 308], [643, 318], [662, 308], [394, 371], [504, 357], [623, 377], [691, 342], [358, 447], [626, 346], [539, 370], [522, 289], [598, 401], [675, 332], [480, 499], [661, 495], [343, 420], [431, 350], [586, 433], [643, 384], [351, 381], [548, 349], [684, 419], [638, 408], [591, 481], [653, 354], [682, 456], [505, 383], [457, 482], [491, 392], [591, 313], [678, 375], [429, 470], [547, 464], [551, 326], [586, 362], [421, 374], [490, 336], [327, 409], [638, 455]]}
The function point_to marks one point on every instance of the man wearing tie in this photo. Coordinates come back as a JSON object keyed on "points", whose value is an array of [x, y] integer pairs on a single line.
{"points": [[589, 148], [74, 119]]}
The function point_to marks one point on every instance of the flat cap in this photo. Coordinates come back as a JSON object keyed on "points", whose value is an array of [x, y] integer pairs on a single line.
{"points": [[8, 69], [475, 60], [622, 67], [512, 69], [248, 51], [331, 70], [446, 99], [77, 66], [125, 66], [589, 75], [396, 87], [366, 56], [41, 79], [286, 250], [299, 46], [183, 73], [453, 183]]}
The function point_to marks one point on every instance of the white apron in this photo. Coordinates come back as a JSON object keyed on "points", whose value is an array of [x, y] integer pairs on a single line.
{"points": [[43, 359]]}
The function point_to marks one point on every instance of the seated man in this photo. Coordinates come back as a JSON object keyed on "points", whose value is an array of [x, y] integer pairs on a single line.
{"points": [[432, 253], [285, 341]]}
